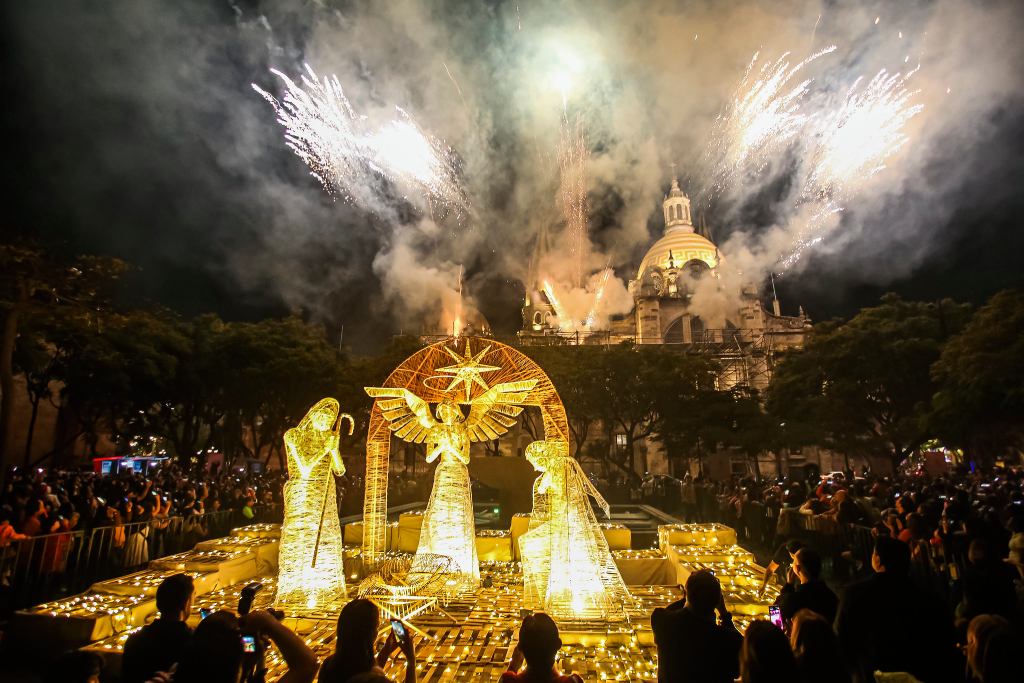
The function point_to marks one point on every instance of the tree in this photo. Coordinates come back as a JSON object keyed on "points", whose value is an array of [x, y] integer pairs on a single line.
{"points": [[35, 362], [278, 369], [979, 402], [641, 385], [578, 375], [32, 281], [119, 372], [865, 385]]}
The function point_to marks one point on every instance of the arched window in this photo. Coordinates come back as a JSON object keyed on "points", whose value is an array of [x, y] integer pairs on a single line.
{"points": [[674, 332]]}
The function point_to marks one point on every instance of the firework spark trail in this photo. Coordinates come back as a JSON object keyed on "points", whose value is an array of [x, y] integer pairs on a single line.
{"points": [[312, 115], [853, 143], [764, 115], [572, 193], [349, 157], [457, 325], [858, 139], [564, 321], [598, 295]]}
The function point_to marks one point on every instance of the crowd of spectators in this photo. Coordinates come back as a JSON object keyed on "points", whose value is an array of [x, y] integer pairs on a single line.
{"points": [[127, 518], [41, 501], [883, 628], [879, 622]]}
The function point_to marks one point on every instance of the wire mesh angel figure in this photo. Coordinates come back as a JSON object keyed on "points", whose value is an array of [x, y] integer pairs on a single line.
{"points": [[311, 573], [448, 526], [568, 570]]}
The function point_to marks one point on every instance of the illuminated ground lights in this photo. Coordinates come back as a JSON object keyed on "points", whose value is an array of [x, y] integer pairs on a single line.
{"points": [[470, 639]]}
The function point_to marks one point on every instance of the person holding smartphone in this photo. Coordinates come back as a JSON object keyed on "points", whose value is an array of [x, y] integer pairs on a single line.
{"points": [[222, 644], [537, 645], [358, 625], [696, 638]]}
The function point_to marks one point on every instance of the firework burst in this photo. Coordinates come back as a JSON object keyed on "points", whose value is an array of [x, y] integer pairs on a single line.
{"points": [[851, 145], [350, 157], [857, 140], [565, 322], [763, 116], [591, 318]]}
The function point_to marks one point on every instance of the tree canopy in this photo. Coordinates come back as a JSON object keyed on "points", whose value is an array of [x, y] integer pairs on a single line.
{"points": [[979, 402], [865, 386]]}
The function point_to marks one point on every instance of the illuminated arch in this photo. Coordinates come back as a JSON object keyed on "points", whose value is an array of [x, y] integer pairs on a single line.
{"points": [[410, 374]]}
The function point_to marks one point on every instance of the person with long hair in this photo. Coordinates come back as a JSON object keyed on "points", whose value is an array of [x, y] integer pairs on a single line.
{"points": [[992, 650], [766, 656], [358, 624], [819, 658]]}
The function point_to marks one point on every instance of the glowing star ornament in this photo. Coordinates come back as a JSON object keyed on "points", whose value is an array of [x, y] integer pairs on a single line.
{"points": [[467, 370], [311, 573], [568, 570]]}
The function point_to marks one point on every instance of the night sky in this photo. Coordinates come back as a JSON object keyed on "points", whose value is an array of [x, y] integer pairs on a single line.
{"points": [[134, 132]]}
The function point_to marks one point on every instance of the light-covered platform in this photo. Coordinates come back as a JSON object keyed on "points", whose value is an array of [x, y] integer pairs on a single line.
{"points": [[468, 639]]}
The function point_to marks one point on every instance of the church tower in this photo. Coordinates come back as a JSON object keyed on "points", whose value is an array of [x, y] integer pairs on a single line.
{"points": [[677, 210]]}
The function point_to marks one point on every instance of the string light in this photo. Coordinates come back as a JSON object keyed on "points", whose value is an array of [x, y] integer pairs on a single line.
{"points": [[448, 527]]}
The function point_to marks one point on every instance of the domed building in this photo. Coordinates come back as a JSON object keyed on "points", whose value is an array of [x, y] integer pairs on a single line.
{"points": [[744, 340]]}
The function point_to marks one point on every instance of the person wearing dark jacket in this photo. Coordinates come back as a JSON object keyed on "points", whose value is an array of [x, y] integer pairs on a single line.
{"points": [[159, 645], [886, 623], [694, 646], [809, 592]]}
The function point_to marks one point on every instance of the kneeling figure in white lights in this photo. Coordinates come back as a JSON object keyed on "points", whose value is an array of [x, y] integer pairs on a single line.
{"points": [[568, 570], [311, 573]]}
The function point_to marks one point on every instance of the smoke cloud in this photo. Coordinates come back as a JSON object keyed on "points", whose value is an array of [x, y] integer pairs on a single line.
{"points": [[495, 82]]}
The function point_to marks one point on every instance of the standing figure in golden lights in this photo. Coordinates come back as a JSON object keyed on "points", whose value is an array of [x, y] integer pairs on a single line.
{"points": [[311, 575], [568, 570], [448, 526]]}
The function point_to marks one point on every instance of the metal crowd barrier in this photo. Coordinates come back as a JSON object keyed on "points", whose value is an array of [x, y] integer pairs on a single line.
{"points": [[52, 566]]}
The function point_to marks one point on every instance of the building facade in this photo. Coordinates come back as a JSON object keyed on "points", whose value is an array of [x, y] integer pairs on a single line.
{"points": [[745, 342]]}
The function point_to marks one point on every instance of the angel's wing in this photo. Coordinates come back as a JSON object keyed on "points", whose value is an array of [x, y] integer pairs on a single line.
{"points": [[408, 415], [495, 411]]}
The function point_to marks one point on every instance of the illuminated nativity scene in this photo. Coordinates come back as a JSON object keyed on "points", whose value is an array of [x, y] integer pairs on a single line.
{"points": [[461, 589]]}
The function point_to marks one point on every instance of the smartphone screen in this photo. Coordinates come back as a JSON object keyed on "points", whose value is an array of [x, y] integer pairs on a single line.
{"points": [[248, 644], [775, 615], [205, 612], [399, 629]]}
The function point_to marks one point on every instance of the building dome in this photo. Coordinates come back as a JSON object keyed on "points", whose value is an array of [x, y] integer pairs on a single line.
{"points": [[680, 248], [681, 243]]}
